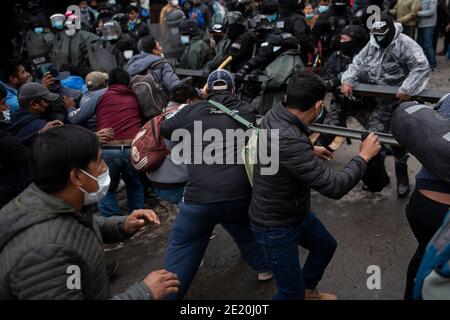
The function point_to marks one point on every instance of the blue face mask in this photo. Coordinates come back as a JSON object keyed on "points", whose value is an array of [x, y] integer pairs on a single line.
{"points": [[184, 39], [323, 9], [59, 25], [309, 16], [38, 30], [272, 17]]}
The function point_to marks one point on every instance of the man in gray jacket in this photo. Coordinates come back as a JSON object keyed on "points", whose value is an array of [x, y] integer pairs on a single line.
{"points": [[50, 248], [152, 57], [393, 59]]}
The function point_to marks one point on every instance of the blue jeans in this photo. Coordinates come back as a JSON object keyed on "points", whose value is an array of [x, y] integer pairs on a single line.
{"points": [[190, 235], [119, 163], [425, 40], [280, 246], [171, 195]]}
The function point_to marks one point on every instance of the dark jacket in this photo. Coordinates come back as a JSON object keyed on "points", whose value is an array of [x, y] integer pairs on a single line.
{"points": [[196, 54], [212, 183], [241, 49], [283, 199], [294, 23], [13, 167], [41, 237], [24, 123], [138, 31]]}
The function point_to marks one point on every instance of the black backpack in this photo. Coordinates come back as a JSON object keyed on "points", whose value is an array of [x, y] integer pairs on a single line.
{"points": [[149, 91]]}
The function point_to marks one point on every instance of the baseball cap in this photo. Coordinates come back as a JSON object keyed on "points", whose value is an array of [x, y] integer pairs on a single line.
{"points": [[36, 90], [382, 26], [220, 80], [96, 79], [50, 67]]}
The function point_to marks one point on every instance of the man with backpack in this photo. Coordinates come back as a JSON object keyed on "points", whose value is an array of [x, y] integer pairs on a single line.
{"points": [[152, 78], [215, 193]]}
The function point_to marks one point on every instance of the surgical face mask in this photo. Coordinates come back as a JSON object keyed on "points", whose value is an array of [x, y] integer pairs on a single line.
{"points": [[323, 9], [71, 32], [111, 2], [272, 17], [128, 54], [103, 181], [38, 30], [275, 49], [174, 3], [309, 16], [184, 39], [59, 25]]}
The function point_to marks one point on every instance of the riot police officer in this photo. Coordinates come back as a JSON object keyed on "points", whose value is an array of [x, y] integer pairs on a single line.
{"points": [[242, 40], [330, 25], [292, 20], [197, 50]]}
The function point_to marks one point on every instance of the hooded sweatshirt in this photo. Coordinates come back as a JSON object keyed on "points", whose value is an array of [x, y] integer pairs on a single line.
{"points": [[165, 73], [402, 63]]}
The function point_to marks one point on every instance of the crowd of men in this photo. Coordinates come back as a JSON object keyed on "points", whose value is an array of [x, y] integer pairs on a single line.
{"points": [[81, 84]]}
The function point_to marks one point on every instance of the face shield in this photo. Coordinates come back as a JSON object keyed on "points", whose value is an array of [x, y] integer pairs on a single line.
{"points": [[57, 21], [111, 31]]}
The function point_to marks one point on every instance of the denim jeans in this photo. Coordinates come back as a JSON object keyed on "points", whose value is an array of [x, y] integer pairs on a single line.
{"points": [[280, 246], [119, 163], [190, 235], [174, 195], [425, 40]]}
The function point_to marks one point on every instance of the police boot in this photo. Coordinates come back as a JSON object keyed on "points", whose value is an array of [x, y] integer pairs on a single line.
{"points": [[401, 172]]}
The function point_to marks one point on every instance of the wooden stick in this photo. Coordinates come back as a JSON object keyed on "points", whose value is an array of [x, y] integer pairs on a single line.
{"points": [[222, 66]]}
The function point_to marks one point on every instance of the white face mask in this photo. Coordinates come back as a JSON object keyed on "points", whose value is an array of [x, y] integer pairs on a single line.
{"points": [[103, 180], [128, 54], [320, 114], [71, 32], [184, 39], [174, 3]]}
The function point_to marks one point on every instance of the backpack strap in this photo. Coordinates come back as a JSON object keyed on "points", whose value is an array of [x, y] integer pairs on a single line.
{"points": [[232, 114]]}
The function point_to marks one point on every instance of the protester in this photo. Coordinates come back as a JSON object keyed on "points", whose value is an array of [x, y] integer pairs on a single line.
{"points": [[118, 109], [394, 59], [206, 201], [13, 76], [68, 173], [280, 211], [136, 27], [152, 58], [171, 5], [169, 180]]}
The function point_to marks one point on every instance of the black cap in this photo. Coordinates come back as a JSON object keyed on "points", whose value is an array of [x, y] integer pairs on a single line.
{"points": [[382, 26]]}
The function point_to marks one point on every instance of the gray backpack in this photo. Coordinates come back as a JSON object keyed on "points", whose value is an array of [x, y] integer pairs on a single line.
{"points": [[149, 91]]}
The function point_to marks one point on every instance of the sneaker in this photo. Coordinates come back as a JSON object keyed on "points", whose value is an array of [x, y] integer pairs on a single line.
{"points": [[265, 276], [315, 294]]}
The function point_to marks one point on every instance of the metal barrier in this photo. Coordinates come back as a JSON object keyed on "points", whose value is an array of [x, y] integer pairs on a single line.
{"points": [[372, 90]]}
